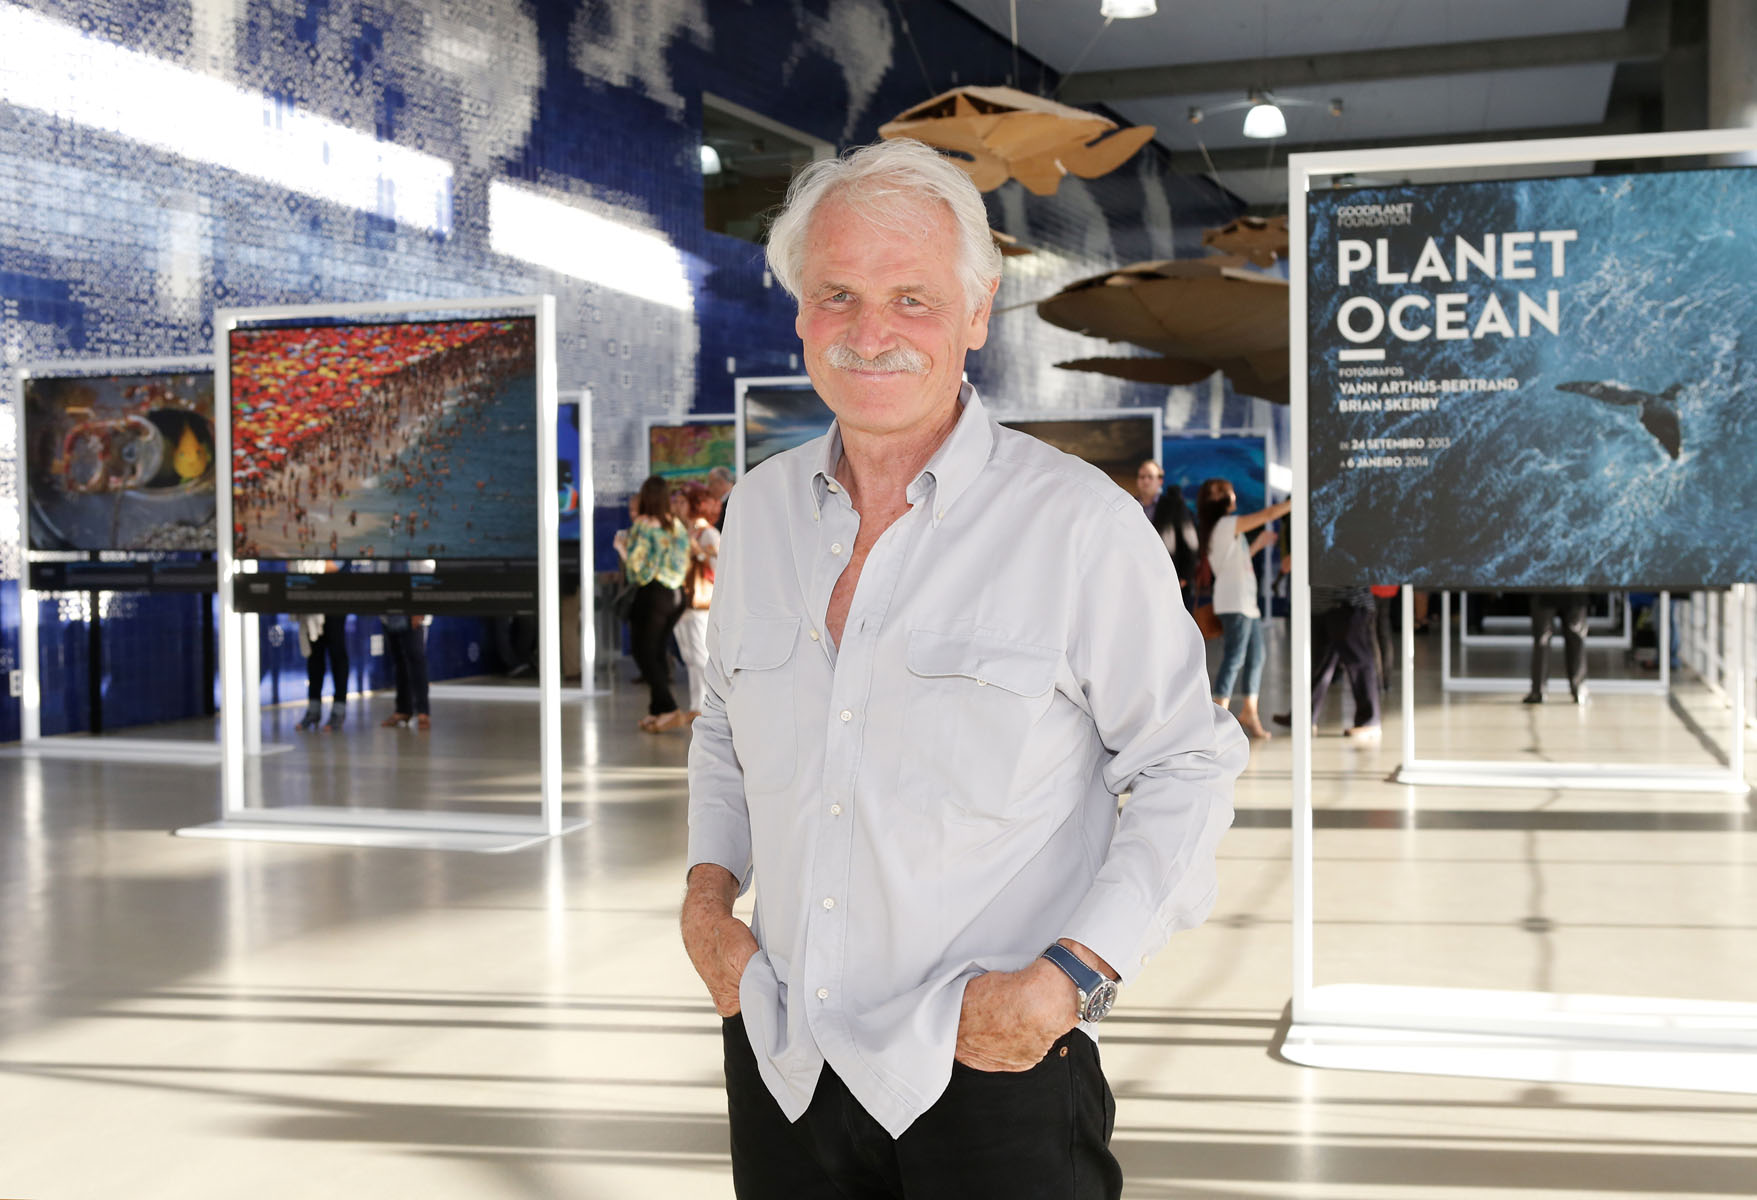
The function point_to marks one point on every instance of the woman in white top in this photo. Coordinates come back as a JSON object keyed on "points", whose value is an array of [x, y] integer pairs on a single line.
{"points": [[692, 626], [1228, 555]]}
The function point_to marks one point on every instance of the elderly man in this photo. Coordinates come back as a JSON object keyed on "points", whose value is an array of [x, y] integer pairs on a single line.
{"points": [[934, 666], [720, 487]]}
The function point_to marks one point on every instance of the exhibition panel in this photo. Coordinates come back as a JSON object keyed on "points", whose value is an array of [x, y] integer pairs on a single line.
{"points": [[339, 428], [118, 497], [1115, 440], [1534, 382], [1239, 458], [776, 413], [1528, 384], [685, 451]]}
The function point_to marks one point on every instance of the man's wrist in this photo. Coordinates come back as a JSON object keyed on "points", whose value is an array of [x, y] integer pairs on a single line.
{"points": [[1090, 958]]}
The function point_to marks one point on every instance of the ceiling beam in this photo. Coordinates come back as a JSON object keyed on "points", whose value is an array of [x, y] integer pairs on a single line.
{"points": [[1646, 36], [1622, 118]]}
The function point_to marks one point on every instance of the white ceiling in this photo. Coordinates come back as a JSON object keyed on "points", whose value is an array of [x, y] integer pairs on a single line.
{"points": [[1070, 35]]}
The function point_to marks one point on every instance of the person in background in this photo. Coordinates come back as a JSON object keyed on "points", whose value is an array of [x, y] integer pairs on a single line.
{"points": [[405, 638], [323, 639], [1174, 523], [1342, 635], [1221, 544], [655, 555], [1572, 607], [720, 487], [692, 623]]}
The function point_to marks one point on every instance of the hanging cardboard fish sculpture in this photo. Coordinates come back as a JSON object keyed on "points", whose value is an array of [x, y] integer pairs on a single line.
{"points": [[1198, 315], [1000, 133], [1260, 239]]}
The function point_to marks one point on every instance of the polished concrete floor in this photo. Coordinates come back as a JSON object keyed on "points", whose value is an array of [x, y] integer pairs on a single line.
{"points": [[199, 1019]]}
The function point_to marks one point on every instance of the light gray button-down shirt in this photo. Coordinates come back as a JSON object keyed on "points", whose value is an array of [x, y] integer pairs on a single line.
{"points": [[937, 796]]}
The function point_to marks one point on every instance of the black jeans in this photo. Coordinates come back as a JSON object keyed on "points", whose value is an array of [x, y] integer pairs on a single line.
{"points": [[333, 647], [1344, 636], [1544, 607], [1042, 1134], [408, 658], [650, 618]]}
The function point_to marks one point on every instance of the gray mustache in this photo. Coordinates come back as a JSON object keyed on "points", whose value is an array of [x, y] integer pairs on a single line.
{"points": [[911, 362]]}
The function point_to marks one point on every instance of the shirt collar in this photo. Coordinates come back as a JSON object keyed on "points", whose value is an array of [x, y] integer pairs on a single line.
{"points": [[953, 467]]}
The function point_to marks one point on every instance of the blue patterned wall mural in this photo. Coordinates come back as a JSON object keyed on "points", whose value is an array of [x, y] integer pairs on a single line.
{"points": [[161, 159]]}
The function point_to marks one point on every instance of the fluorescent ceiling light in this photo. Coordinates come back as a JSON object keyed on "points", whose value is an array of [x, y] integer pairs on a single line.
{"points": [[53, 68], [1124, 10], [1265, 121], [710, 160], [552, 233]]}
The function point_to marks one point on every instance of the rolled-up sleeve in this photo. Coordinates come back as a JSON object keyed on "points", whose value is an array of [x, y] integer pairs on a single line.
{"points": [[1140, 661]]}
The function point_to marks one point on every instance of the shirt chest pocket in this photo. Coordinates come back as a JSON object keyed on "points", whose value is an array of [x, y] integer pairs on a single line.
{"points": [[758, 655], [974, 701]]}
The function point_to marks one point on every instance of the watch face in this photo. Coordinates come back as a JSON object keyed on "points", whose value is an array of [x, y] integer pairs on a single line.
{"points": [[1099, 1003]]}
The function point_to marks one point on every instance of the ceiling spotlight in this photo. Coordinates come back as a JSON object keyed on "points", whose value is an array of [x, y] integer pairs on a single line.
{"points": [[710, 160], [1265, 120], [1336, 106], [1125, 10], [1195, 114]]}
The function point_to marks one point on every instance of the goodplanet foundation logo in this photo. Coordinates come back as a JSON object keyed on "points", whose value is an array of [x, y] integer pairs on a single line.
{"points": [[1374, 216]]}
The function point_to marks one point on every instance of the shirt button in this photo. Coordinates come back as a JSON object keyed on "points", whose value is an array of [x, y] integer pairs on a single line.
{"points": [[835, 547], [982, 683], [829, 902], [835, 810], [814, 635], [846, 715], [823, 993], [834, 488], [940, 515]]}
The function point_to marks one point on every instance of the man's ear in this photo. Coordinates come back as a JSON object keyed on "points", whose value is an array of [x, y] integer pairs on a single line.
{"points": [[979, 318]]}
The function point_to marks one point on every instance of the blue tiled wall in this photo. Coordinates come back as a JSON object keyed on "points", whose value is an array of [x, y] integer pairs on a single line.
{"points": [[117, 241]]}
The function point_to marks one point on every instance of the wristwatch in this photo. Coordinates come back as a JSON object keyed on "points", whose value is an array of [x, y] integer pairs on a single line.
{"points": [[1096, 994]]}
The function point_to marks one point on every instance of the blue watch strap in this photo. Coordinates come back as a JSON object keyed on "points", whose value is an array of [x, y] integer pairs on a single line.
{"points": [[1084, 977]]}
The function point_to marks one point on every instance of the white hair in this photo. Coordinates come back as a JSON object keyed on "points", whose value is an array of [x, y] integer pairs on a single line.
{"points": [[881, 181]]}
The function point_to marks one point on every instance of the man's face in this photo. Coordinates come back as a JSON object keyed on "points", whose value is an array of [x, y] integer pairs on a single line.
{"points": [[1148, 481], [884, 317]]}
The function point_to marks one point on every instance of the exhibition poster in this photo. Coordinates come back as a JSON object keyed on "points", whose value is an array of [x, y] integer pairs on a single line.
{"points": [[1115, 445], [779, 417], [120, 462], [685, 452], [1538, 383], [1192, 459], [570, 472], [392, 441]]}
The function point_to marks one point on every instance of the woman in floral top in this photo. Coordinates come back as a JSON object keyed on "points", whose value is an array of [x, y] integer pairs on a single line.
{"points": [[655, 555]]}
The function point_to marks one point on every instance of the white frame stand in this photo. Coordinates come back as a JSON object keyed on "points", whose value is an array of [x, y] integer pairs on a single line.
{"points": [[106, 747], [1546, 1037], [588, 621], [240, 722], [1556, 685]]}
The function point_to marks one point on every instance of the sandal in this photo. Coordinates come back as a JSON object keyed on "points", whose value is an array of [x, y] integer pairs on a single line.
{"points": [[423, 722], [395, 721], [666, 721]]}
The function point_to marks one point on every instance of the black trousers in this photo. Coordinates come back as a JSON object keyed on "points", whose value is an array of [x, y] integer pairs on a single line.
{"points": [[408, 660], [332, 648], [650, 617], [1042, 1134], [1344, 636], [1544, 607]]}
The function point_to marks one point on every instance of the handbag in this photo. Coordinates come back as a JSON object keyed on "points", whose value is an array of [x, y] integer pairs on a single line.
{"points": [[698, 582], [1207, 620]]}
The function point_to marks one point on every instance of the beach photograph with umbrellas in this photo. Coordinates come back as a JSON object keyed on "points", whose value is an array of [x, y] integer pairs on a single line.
{"points": [[388, 441]]}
